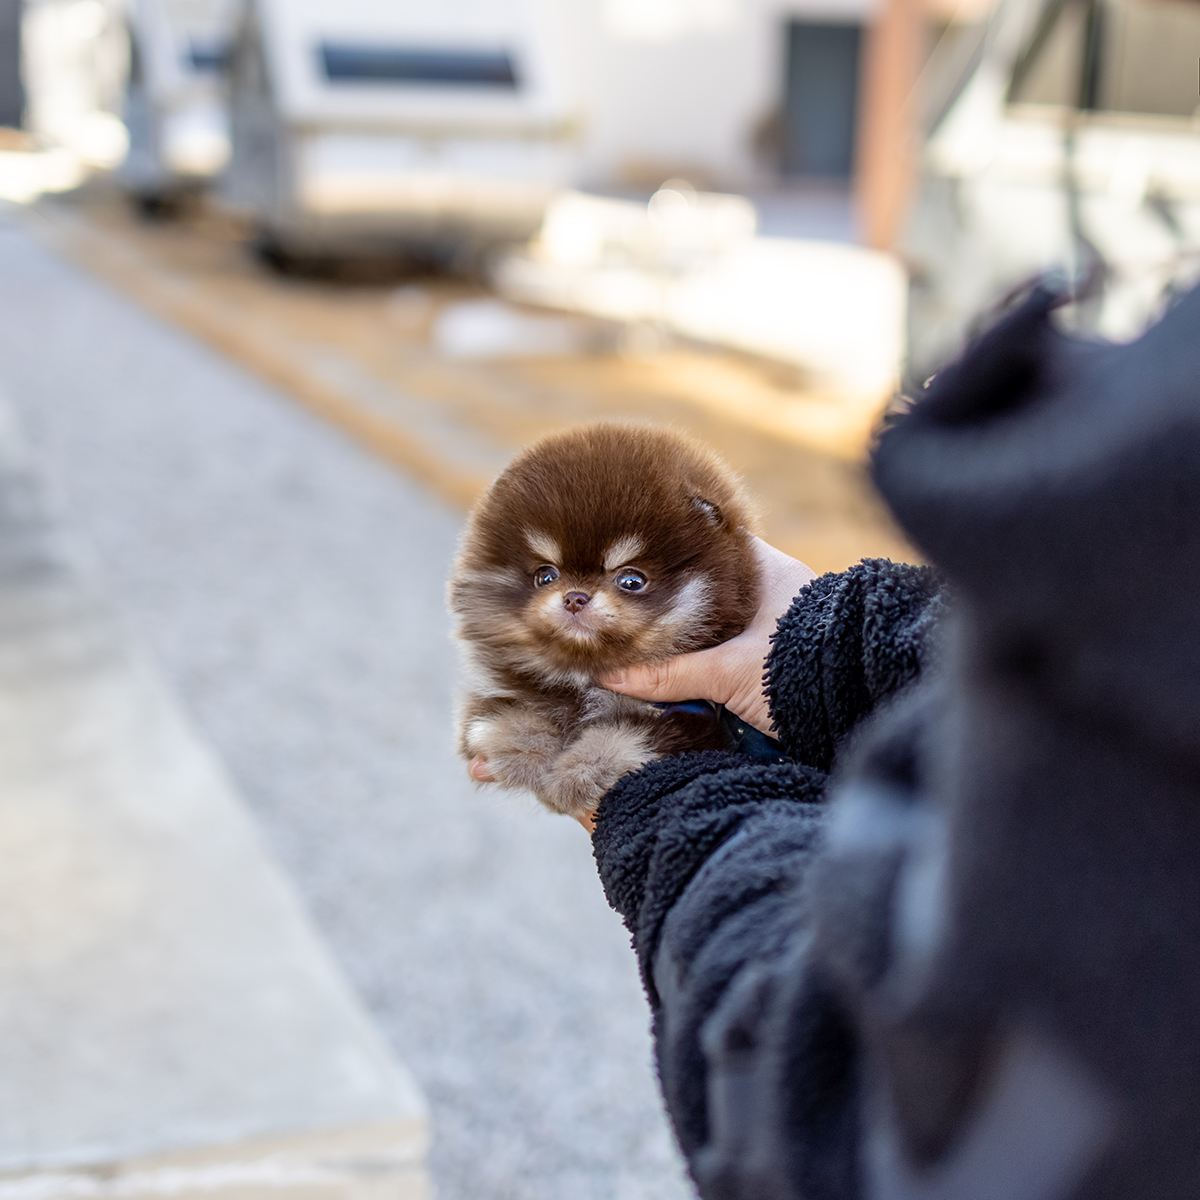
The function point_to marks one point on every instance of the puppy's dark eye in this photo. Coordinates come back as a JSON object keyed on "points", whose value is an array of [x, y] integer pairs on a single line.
{"points": [[629, 580], [545, 575]]}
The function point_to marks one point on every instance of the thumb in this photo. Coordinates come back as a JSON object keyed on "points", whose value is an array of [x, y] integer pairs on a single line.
{"points": [[685, 677]]}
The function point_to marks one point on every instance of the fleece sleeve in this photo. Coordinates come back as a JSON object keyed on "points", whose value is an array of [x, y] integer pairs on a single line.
{"points": [[701, 856], [705, 856], [849, 641]]}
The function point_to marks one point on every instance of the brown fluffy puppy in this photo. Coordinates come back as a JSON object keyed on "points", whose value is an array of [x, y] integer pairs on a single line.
{"points": [[598, 548]]}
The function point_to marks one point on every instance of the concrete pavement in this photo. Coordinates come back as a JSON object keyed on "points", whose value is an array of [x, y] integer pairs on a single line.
{"points": [[169, 1023], [290, 588]]}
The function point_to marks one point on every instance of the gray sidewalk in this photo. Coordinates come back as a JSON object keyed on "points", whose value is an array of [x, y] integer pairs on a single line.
{"points": [[169, 1025], [290, 588]]}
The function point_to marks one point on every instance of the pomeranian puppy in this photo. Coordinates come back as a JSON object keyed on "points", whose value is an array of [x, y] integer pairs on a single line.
{"points": [[598, 548]]}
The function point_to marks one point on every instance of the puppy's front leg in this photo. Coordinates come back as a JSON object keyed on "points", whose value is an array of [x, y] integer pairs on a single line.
{"points": [[592, 763], [520, 743]]}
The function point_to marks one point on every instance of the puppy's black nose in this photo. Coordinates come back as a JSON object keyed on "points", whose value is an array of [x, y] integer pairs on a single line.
{"points": [[574, 601]]}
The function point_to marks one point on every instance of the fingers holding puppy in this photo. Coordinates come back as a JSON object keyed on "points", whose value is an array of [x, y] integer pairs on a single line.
{"points": [[731, 673], [477, 768]]}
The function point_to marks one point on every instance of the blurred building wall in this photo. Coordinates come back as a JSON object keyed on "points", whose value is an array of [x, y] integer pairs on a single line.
{"points": [[722, 93], [693, 88]]}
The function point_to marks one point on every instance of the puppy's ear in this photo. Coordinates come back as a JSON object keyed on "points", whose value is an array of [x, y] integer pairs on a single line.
{"points": [[712, 512]]}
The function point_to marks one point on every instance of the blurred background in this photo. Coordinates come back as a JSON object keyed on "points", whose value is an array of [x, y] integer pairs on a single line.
{"points": [[283, 284]]}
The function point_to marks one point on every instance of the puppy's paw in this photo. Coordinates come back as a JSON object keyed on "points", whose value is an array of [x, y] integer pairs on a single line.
{"points": [[520, 746], [592, 763]]}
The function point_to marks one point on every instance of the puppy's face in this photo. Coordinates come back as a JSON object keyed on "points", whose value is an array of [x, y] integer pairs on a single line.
{"points": [[631, 596], [604, 547]]}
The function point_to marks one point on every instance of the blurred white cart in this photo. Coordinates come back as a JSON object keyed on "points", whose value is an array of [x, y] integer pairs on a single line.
{"points": [[175, 107], [361, 124]]}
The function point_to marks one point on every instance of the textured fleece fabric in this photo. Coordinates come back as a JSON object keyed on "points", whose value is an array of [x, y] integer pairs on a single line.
{"points": [[849, 641], [973, 972], [704, 856]]}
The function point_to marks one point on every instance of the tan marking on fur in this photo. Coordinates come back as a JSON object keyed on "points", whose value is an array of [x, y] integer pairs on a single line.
{"points": [[479, 680], [487, 575], [623, 551], [544, 546], [478, 734], [551, 604], [599, 702], [554, 676], [690, 607], [593, 762], [599, 611], [597, 615]]}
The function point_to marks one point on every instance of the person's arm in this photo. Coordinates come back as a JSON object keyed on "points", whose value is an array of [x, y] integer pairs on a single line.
{"points": [[705, 855]]}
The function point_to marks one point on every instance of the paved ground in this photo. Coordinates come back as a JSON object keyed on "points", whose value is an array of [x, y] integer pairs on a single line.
{"points": [[160, 987], [290, 587]]}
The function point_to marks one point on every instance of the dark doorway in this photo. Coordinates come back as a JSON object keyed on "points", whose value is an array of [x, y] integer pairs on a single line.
{"points": [[12, 98], [820, 99]]}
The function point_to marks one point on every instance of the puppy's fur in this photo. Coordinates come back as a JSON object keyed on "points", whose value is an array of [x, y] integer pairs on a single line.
{"points": [[548, 594]]}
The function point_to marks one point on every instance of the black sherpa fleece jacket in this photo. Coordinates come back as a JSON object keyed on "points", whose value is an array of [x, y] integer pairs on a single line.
{"points": [[703, 856], [974, 972]]}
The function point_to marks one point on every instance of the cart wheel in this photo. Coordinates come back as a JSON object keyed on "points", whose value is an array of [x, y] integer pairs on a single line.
{"points": [[276, 254], [157, 206]]}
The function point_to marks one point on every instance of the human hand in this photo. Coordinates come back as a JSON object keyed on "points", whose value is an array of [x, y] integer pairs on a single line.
{"points": [[731, 673], [477, 768]]}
